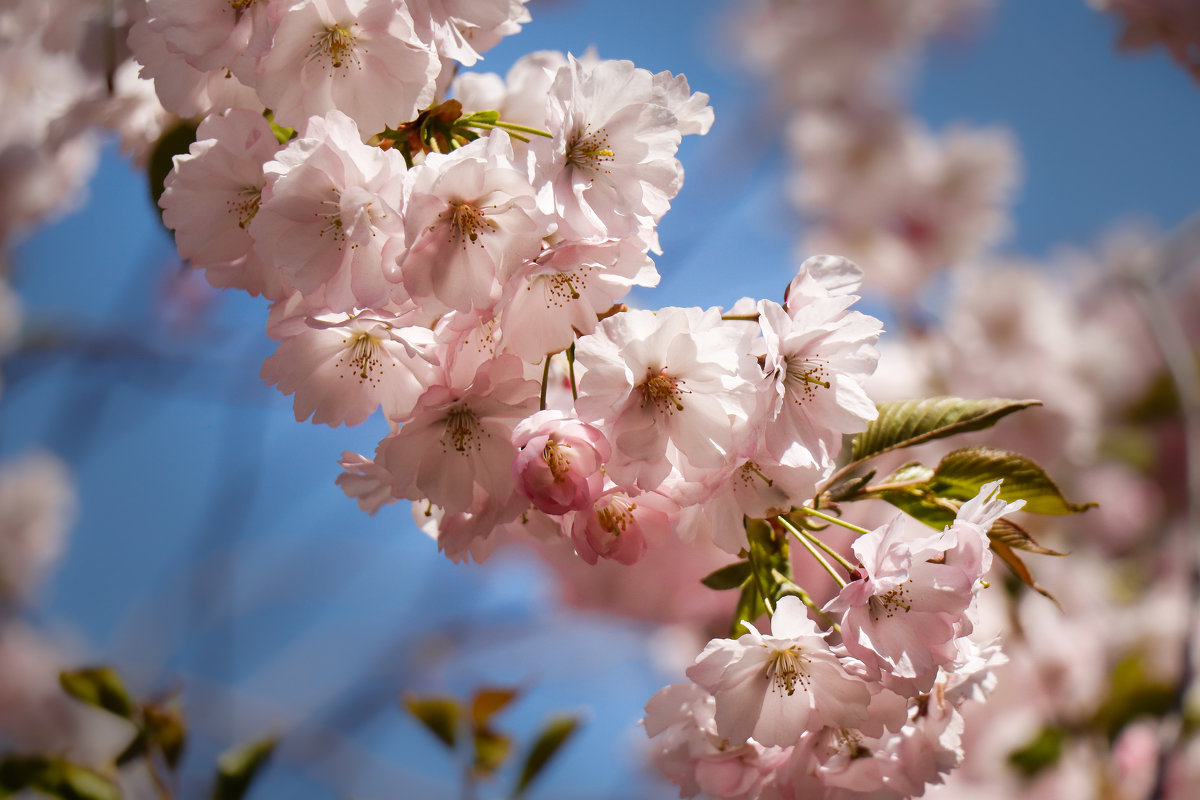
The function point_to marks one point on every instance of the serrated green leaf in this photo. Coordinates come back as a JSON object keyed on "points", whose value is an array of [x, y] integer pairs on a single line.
{"points": [[911, 422], [730, 576], [54, 777], [1041, 752], [101, 687], [238, 766], [491, 751], [439, 714], [553, 736], [490, 701], [961, 474]]}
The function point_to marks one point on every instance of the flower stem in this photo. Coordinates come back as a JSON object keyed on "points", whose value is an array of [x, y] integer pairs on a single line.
{"points": [[740, 317], [835, 520], [838, 557], [545, 381], [814, 552], [511, 126], [571, 370]]}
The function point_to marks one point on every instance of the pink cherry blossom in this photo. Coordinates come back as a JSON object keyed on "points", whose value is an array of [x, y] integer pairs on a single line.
{"points": [[361, 57], [622, 526], [215, 34], [776, 686], [686, 747], [678, 377], [330, 206], [342, 370], [462, 29], [212, 195], [471, 221], [37, 507], [611, 162], [458, 439], [817, 356], [559, 464]]}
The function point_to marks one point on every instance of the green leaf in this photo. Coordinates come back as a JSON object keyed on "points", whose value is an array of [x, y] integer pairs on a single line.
{"points": [[1041, 752], [553, 736], [488, 702], [239, 765], [961, 474], [439, 714], [174, 141], [922, 505], [491, 751], [54, 777], [101, 687], [750, 607], [910, 422], [730, 576]]}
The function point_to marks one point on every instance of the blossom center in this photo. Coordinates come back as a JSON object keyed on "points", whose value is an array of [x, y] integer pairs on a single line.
{"points": [[336, 43], [589, 150], [556, 459], [786, 668], [462, 428], [246, 205], [749, 472], [467, 223], [803, 375], [616, 516], [662, 391], [331, 213], [883, 606], [363, 358]]}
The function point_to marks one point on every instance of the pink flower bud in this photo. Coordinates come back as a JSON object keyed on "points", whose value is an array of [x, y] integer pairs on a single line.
{"points": [[558, 466]]}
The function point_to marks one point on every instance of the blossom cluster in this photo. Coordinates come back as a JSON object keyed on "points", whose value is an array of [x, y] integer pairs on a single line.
{"points": [[870, 706], [453, 251]]}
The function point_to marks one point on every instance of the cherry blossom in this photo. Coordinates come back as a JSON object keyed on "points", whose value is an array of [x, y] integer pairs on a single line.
{"points": [[471, 221], [776, 686], [675, 377], [559, 464], [458, 438], [329, 207], [213, 194], [342, 370], [347, 55]]}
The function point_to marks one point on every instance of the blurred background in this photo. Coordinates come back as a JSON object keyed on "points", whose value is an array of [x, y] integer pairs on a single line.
{"points": [[210, 552]]}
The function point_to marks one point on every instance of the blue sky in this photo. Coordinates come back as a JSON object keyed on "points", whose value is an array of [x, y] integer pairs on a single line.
{"points": [[213, 549]]}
